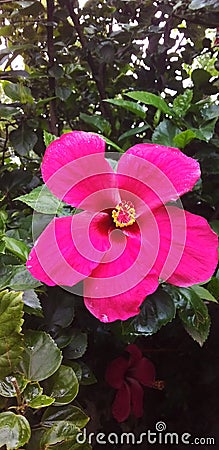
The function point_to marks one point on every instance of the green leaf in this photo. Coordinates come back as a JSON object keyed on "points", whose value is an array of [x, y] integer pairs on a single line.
{"points": [[23, 139], [194, 315], [203, 293], [56, 71], [133, 132], [41, 356], [48, 137], [182, 103], [77, 369], [18, 92], [6, 30], [157, 310], [97, 122], [130, 106], [210, 112], [63, 92], [198, 4], [63, 385], [213, 287], [150, 99], [33, 396], [205, 132], [21, 279], [165, 133], [17, 248], [77, 346], [32, 391], [62, 431], [42, 201], [184, 138], [112, 144], [59, 313], [11, 342], [14, 430], [41, 402], [7, 111], [87, 377], [69, 413], [31, 303], [12, 384], [200, 78]]}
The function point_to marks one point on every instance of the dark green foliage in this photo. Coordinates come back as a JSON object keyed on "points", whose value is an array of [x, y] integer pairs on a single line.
{"points": [[132, 71]]}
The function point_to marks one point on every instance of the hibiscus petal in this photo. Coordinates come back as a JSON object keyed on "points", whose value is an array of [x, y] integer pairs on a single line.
{"points": [[128, 262], [75, 170], [135, 354], [144, 372], [137, 396], [188, 250], [121, 407], [121, 306], [69, 248], [156, 174], [115, 372]]}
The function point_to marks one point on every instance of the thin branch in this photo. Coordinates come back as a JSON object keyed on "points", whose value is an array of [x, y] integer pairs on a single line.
{"points": [[51, 55], [97, 73], [5, 144]]}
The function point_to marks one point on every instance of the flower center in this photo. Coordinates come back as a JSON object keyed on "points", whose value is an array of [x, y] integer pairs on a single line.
{"points": [[124, 214]]}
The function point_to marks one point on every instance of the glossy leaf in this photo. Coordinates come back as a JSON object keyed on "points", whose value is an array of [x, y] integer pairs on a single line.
{"points": [[42, 200], [41, 401], [133, 132], [150, 99], [77, 346], [130, 106], [184, 138], [62, 431], [63, 385], [17, 248], [14, 430], [11, 385], [204, 293], [165, 133], [39, 346], [198, 4], [21, 279], [32, 303], [34, 397], [11, 341], [97, 122], [69, 413], [157, 310], [194, 315]]}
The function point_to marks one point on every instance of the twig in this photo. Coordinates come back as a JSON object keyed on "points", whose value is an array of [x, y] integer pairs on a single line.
{"points": [[96, 74], [52, 82], [5, 144]]}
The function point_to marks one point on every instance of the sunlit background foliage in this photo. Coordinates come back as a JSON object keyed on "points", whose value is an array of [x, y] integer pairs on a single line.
{"points": [[132, 71]]}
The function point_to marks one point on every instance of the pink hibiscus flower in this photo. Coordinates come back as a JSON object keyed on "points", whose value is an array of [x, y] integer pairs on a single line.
{"points": [[128, 375], [127, 237]]}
